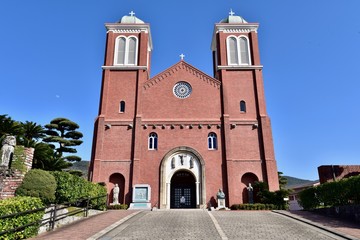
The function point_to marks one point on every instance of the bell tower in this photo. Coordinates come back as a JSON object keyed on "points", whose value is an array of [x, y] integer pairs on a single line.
{"points": [[248, 144], [126, 68]]}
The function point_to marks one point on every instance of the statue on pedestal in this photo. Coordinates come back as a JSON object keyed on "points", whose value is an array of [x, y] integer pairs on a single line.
{"points": [[220, 199], [250, 193], [116, 191], [7, 151]]}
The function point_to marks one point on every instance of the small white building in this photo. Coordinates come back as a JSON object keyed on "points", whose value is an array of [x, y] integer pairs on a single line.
{"points": [[294, 195]]}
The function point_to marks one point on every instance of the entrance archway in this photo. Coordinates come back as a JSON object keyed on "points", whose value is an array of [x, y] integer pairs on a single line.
{"points": [[183, 190], [182, 172]]}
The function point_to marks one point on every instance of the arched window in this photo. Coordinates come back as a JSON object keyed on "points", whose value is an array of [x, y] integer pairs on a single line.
{"points": [[122, 106], [153, 141], [238, 52], [244, 51], [212, 141], [233, 51], [126, 50], [242, 106]]}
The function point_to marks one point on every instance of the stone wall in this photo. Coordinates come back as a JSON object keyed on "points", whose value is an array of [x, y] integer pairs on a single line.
{"points": [[11, 180], [349, 213]]}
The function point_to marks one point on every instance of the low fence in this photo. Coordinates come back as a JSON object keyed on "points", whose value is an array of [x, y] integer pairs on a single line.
{"points": [[56, 212]]}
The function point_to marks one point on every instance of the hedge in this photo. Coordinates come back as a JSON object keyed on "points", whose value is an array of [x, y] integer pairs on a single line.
{"points": [[118, 207], [255, 206], [38, 183], [339, 193], [71, 188], [20, 204]]}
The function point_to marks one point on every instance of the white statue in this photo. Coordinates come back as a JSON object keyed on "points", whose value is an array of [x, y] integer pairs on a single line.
{"points": [[250, 193], [116, 191], [7, 151]]}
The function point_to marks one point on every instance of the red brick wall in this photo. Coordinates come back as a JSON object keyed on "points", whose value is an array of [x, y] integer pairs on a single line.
{"points": [[245, 148], [327, 173]]}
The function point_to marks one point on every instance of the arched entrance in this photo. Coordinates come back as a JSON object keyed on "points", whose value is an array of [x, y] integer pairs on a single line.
{"points": [[182, 173], [183, 190]]}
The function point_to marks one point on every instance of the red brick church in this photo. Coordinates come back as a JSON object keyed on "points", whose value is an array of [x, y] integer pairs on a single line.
{"points": [[183, 132]]}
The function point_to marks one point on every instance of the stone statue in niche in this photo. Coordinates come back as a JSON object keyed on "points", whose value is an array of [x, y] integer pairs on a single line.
{"points": [[250, 193], [7, 151], [116, 191], [181, 159], [173, 163], [221, 199], [191, 162]]}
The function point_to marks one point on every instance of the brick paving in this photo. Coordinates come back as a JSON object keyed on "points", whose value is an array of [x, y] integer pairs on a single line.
{"points": [[85, 228], [199, 224], [345, 227]]}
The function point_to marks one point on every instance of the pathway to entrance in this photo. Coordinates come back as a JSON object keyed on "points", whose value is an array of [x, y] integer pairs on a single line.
{"points": [[194, 224]]}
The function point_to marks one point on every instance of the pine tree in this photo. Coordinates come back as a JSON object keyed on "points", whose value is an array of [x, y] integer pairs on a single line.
{"points": [[62, 135]]}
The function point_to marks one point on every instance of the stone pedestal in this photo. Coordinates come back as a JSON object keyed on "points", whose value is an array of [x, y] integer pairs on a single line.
{"points": [[141, 197]]}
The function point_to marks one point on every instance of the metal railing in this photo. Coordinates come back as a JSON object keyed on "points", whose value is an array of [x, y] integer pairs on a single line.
{"points": [[82, 206]]}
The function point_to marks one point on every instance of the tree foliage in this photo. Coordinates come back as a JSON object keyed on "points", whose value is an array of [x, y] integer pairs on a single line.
{"points": [[8, 126], [62, 134], [31, 132], [263, 195], [50, 143]]}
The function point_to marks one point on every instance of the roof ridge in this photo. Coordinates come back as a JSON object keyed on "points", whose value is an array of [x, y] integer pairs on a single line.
{"points": [[176, 67]]}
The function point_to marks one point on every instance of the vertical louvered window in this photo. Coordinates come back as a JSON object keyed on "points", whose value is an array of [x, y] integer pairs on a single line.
{"points": [[244, 51], [233, 51], [121, 44], [132, 51]]}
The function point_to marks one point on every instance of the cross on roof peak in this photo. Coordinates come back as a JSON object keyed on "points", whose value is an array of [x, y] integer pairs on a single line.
{"points": [[182, 56], [231, 13], [132, 13]]}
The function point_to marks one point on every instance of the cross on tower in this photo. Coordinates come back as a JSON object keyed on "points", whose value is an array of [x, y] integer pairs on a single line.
{"points": [[132, 13], [231, 13], [182, 56]]}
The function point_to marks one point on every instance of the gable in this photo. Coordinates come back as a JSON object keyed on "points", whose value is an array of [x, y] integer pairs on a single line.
{"points": [[183, 68], [162, 97]]}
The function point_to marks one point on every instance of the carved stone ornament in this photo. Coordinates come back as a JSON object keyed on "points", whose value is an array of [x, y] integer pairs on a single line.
{"points": [[7, 150]]}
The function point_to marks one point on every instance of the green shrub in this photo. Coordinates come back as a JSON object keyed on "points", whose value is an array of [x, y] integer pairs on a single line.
{"points": [[117, 206], [16, 205], [339, 193], [38, 183], [255, 206], [71, 188]]}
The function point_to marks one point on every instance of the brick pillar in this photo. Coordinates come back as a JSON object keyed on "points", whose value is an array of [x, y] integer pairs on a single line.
{"points": [[10, 182]]}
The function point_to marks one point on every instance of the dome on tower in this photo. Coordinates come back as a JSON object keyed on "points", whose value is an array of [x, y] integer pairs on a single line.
{"points": [[232, 18], [130, 19]]}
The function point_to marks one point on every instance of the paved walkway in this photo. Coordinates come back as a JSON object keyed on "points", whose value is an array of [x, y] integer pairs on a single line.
{"points": [[199, 224], [351, 229], [86, 227]]}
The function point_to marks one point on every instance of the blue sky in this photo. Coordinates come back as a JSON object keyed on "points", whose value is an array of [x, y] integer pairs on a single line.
{"points": [[51, 53]]}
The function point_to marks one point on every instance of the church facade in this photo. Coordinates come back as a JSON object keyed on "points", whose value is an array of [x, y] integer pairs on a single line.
{"points": [[182, 132]]}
